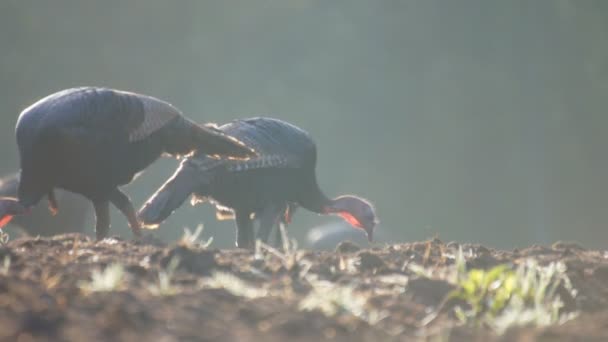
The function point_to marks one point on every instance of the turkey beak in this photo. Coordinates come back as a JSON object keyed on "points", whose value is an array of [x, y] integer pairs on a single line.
{"points": [[370, 233]]}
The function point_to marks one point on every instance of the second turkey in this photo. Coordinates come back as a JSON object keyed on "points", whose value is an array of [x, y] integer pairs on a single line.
{"points": [[265, 188]]}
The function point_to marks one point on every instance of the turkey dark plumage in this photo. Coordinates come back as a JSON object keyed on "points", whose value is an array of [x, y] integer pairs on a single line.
{"points": [[92, 140], [267, 187]]}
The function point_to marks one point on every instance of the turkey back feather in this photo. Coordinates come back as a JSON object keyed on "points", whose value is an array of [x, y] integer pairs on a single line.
{"points": [[278, 144]]}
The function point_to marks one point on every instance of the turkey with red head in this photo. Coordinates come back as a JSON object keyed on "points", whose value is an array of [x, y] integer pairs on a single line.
{"points": [[266, 187], [92, 140]]}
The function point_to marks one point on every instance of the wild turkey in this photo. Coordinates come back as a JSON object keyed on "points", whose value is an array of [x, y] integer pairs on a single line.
{"points": [[75, 211], [92, 140], [281, 176]]}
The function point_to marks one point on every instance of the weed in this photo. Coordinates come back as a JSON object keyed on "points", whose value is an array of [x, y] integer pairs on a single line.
{"points": [[233, 284], [290, 257], [502, 297], [333, 299], [110, 279], [4, 237], [165, 286], [6, 265], [453, 275], [191, 239]]}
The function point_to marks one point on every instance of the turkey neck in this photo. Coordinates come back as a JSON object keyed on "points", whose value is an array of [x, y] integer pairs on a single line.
{"points": [[314, 199]]}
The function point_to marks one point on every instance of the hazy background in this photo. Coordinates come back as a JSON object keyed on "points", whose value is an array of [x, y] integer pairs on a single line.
{"points": [[478, 121]]}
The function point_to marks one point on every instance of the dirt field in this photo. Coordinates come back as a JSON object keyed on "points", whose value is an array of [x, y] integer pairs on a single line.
{"points": [[47, 293]]}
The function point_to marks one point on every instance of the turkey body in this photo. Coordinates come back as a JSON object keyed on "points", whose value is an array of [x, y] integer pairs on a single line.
{"points": [[267, 187], [75, 212], [92, 140]]}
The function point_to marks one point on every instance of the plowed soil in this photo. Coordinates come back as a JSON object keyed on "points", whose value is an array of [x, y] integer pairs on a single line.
{"points": [[46, 294]]}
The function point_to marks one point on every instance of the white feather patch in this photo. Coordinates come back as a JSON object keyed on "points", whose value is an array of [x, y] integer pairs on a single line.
{"points": [[156, 115], [223, 213], [258, 163]]}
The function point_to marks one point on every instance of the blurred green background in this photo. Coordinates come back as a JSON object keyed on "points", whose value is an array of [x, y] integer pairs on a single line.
{"points": [[478, 121]]}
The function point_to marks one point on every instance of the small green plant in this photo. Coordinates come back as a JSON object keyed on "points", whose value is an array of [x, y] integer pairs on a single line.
{"points": [[452, 274], [6, 265], [333, 299], [191, 239], [233, 284], [110, 279], [290, 257], [165, 286], [4, 237], [502, 297]]}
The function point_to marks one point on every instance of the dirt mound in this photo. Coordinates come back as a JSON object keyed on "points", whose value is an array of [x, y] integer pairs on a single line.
{"points": [[74, 289]]}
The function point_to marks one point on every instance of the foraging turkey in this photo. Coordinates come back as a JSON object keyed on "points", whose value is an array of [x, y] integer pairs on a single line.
{"points": [[92, 140], [75, 211], [263, 187]]}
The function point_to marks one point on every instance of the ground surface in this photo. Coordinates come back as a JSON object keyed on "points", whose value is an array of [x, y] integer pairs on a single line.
{"points": [[46, 293]]}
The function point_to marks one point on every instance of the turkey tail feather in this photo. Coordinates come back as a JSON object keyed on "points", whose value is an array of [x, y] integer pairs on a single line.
{"points": [[183, 137], [210, 140]]}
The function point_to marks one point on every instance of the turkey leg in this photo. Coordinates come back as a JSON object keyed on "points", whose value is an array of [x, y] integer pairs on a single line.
{"points": [[268, 218], [53, 207], [244, 231], [123, 203], [102, 219]]}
